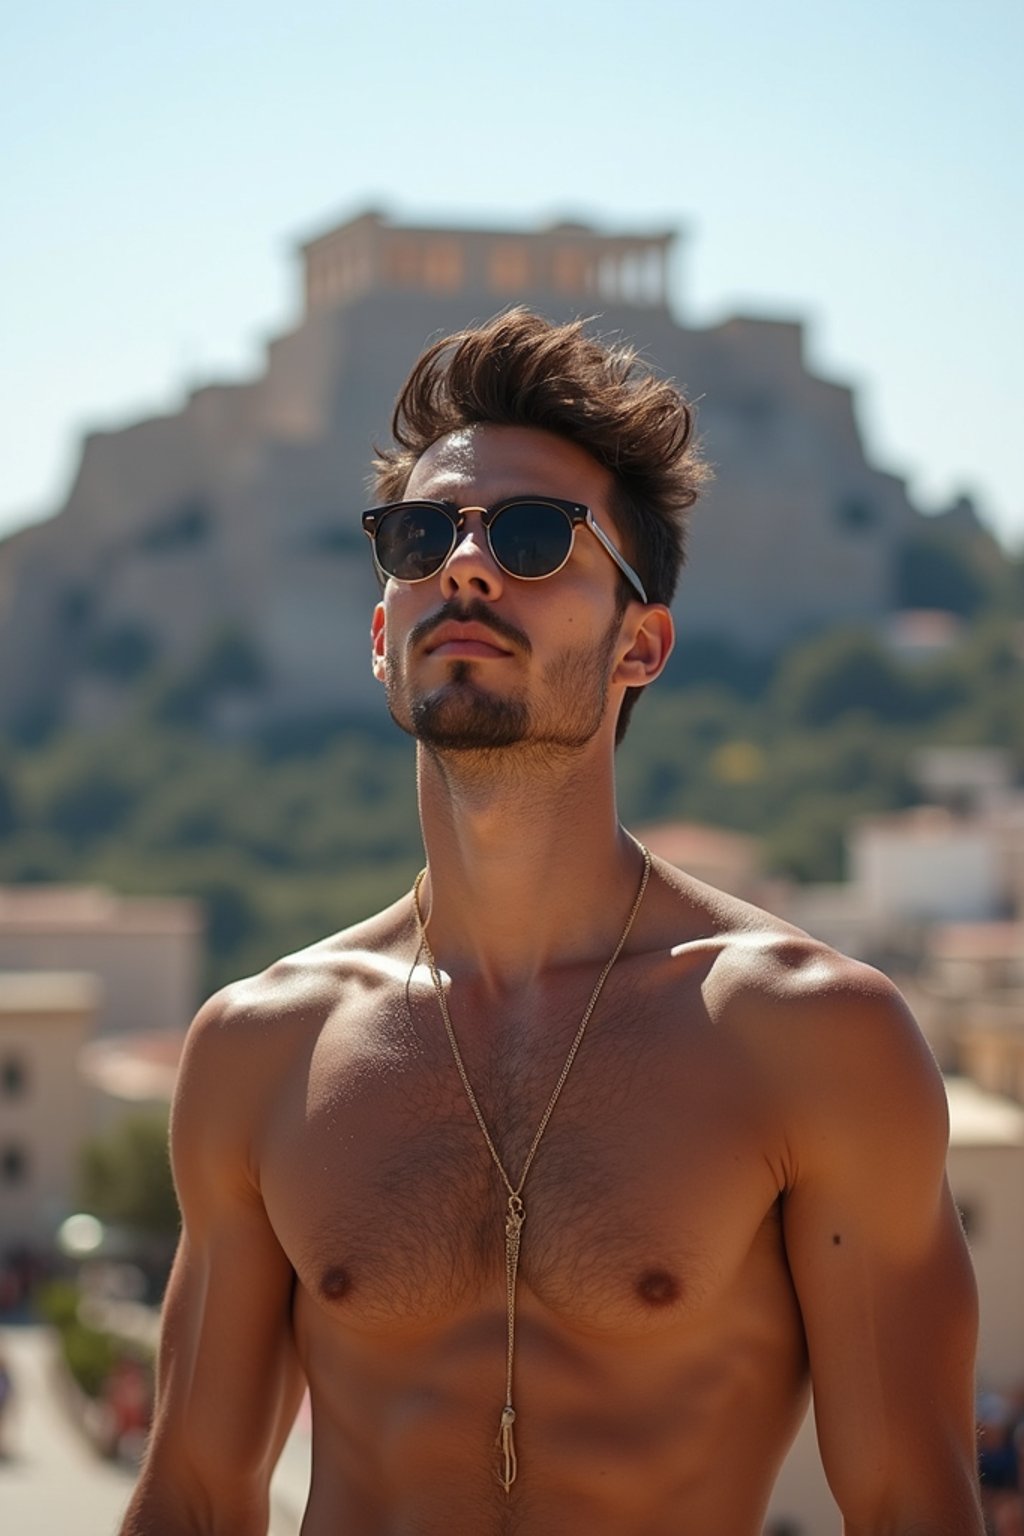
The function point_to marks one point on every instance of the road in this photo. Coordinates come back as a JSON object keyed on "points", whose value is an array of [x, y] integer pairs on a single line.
{"points": [[51, 1481]]}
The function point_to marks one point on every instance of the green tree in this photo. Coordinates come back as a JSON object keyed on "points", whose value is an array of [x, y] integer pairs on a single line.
{"points": [[843, 671], [123, 652], [125, 1175], [938, 570], [9, 807], [229, 663], [808, 843], [91, 804]]}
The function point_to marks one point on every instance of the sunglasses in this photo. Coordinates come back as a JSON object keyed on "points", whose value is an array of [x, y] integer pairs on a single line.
{"points": [[530, 537]]}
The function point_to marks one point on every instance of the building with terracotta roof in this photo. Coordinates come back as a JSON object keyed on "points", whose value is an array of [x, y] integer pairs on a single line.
{"points": [[145, 951], [730, 861]]}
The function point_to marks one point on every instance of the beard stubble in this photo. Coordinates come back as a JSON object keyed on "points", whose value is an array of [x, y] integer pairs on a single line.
{"points": [[460, 716]]}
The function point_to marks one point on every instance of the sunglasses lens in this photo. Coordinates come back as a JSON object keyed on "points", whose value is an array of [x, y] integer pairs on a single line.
{"points": [[531, 538], [413, 542]]}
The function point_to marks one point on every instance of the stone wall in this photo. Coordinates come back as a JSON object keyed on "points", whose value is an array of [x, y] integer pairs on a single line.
{"points": [[239, 513]]}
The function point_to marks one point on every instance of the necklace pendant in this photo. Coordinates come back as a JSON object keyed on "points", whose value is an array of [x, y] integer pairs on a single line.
{"points": [[515, 1213], [515, 1217], [507, 1446]]}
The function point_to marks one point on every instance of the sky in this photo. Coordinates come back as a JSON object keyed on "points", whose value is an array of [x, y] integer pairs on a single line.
{"points": [[852, 165]]}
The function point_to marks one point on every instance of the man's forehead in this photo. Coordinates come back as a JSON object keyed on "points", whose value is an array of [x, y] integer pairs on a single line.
{"points": [[505, 460], [452, 456]]}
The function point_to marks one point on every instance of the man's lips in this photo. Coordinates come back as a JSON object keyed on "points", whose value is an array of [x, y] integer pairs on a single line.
{"points": [[474, 622], [469, 640]]}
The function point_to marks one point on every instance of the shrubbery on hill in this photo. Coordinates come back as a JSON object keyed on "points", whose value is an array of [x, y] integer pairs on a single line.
{"points": [[288, 838]]}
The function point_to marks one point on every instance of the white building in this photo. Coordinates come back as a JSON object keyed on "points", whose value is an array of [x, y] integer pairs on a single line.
{"points": [[927, 864], [986, 1174], [45, 1018], [82, 969], [974, 777]]}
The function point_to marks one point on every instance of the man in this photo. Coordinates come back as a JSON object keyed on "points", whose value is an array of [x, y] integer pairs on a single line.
{"points": [[562, 1178]]}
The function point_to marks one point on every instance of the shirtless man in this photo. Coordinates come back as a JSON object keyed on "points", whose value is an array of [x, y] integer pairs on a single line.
{"points": [[740, 1189]]}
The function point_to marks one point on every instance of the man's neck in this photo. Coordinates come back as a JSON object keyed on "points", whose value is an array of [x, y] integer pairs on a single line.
{"points": [[528, 866]]}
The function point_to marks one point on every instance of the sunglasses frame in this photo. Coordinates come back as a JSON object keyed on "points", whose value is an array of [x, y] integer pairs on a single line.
{"points": [[574, 512]]}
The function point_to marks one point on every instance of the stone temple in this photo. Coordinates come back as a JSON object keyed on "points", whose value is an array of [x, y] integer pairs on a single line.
{"points": [[225, 536]]}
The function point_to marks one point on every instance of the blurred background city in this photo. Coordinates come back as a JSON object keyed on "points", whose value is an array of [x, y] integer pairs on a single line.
{"points": [[229, 237]]}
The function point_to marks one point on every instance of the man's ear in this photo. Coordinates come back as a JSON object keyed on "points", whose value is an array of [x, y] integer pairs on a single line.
{"points": [[377, 642], [648, 635]]}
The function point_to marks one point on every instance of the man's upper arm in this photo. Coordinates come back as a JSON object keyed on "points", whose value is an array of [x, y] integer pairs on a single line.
{"points": [[228, 1380], [879, 1263]]}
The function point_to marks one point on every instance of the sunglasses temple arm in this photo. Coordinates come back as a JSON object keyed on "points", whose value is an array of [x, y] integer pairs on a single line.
{"points": [[623, 564]]}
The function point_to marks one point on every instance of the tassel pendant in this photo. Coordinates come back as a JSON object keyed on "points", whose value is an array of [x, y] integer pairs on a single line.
{"points": [[507, 1443], [513, 1235], [515, 1213]]}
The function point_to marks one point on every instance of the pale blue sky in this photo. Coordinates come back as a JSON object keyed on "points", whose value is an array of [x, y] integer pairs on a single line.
{"points": [[857, 165]]}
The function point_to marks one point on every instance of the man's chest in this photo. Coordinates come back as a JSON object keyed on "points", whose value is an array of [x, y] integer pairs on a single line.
{"points": [[649, 1195]]}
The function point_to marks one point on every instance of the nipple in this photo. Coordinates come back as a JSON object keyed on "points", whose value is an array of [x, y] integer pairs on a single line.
{"points": [[335, 1283], [658, 1288]]}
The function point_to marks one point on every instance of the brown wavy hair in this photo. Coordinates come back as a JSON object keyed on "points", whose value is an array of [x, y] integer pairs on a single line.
{"points": [[522, 370]]}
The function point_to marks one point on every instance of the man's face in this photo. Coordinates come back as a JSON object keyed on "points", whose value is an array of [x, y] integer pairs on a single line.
{"points": [[474, 659]]}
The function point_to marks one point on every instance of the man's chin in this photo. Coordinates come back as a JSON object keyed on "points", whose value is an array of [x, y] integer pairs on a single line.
{"points": [[466, 720]]}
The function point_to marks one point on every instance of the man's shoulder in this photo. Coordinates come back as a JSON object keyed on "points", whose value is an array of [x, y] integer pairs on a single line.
{"points": [[782, 970], [831, 1036], [762, 961], [302, 989], [255, 1037], [810, 1009]]}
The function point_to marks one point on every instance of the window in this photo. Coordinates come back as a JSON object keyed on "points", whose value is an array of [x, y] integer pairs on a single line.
{"points": [[13, 1077], [13, 1164]]}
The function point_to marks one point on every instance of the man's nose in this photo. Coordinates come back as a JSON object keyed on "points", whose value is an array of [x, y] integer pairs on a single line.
{"points": [[471, 568]]}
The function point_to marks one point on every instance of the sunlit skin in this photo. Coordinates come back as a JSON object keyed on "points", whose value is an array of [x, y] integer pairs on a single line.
{"points": [[741, 1190]]}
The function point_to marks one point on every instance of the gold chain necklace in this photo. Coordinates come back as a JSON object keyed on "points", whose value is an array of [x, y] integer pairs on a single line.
{"points": [[516, 1211]]}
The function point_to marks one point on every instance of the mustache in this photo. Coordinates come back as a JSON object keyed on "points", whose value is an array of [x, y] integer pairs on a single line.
{"points": [[476, 611]]}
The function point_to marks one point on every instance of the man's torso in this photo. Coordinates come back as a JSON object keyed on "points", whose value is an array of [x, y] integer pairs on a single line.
{"points": [[660, 1364]]}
